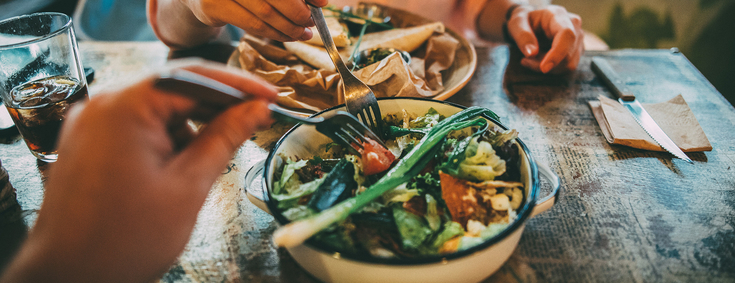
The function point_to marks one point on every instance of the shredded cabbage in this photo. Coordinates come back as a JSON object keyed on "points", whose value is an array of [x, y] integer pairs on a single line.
{"points": [[292, 196], [289, 180], [481, 163], [432, 213], [399, 194]]}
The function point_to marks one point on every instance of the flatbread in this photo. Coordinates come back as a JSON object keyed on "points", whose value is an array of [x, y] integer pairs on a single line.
{"points": [[406, 39], [336, 29], [313, 55]]}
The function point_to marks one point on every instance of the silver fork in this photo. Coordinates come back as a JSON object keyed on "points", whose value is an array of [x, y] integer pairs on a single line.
{"points": [[214, 97], [359, 99]]}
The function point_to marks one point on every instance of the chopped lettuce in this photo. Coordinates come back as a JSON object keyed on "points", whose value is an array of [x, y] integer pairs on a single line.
{"points": [[292, 196], [432, 213], [451, 229], [498, 139], [430, 119], [481, 163], [297, 212], [413, 228], [289, 180], [399, 194]]}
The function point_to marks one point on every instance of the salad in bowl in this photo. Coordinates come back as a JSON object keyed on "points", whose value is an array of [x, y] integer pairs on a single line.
{"points": [[446, 199]]}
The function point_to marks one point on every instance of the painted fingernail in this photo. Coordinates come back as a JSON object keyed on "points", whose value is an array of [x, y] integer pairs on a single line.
{"points": [[528, 50], [307, 34]]}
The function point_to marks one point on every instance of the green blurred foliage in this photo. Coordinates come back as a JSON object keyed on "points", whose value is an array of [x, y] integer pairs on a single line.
{"points": [[643, 28]]}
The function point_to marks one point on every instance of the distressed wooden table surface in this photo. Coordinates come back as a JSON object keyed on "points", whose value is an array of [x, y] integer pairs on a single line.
{"points": [[625, 215]]}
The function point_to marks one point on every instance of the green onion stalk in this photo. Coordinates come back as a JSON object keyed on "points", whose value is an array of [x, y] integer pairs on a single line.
{"points": [[295, 233]]}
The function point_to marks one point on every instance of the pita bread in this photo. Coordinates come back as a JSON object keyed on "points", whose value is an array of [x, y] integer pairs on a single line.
{"points": [[336, 29], [406, 39], [313, 55]]}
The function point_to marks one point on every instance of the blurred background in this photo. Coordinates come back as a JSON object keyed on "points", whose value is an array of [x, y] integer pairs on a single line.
{"points": [[704, 30]]}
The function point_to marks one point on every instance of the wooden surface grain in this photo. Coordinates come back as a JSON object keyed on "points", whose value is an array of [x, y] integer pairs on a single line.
{"points": [[625, 215]]}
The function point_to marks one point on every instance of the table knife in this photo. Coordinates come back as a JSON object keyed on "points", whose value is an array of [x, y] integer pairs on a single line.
{"points": [[603, 69]]}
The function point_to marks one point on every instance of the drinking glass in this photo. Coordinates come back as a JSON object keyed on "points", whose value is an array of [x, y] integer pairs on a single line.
{"points": [[41, 77]]}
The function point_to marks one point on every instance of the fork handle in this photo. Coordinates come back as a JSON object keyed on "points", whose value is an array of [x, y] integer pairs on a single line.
{"points": [[282, 114], [321, 26], [217, 96]]}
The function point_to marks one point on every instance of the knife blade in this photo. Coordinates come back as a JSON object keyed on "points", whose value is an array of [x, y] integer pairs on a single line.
{"points": [[603, 69]]}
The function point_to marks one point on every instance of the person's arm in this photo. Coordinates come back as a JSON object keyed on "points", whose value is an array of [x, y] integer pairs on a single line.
{"points": [[188, 23], [492, 17], [122, 200], [562, 29], [176, 26]]}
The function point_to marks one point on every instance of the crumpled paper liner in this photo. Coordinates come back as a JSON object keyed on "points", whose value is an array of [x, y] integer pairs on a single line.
{"points": [[299, 86], [392, 77], [302, 87], [673, 116]]}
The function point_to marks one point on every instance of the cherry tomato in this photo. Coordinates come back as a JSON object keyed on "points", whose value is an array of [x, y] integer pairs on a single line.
{"points": [[375, 158]]}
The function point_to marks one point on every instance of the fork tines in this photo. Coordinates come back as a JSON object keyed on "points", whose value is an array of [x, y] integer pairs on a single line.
{"points": [[345, 129], [371, 116]]}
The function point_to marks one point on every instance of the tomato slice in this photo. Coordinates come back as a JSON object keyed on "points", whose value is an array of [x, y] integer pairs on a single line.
{"points": [[375, 157]]}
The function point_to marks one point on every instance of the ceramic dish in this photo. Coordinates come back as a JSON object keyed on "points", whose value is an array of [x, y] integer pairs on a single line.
{"points": [[470, 265]]}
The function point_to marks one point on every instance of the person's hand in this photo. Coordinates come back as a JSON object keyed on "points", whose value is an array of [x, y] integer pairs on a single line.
{"points": [[533, 29], [121, 201], [282, 20]]}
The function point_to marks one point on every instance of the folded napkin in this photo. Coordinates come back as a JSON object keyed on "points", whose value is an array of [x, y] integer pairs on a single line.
{"points": [[673, 116]]}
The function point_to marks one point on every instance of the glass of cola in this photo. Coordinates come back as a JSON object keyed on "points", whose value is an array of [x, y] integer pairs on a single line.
{"points": [[41, 77]]}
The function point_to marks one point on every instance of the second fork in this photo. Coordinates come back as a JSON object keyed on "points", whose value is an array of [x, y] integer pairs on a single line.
{"points": [[359, 98]]}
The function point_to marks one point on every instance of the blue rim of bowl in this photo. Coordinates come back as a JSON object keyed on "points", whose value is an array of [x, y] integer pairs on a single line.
{"points": [[523, 214], [66, 26]]}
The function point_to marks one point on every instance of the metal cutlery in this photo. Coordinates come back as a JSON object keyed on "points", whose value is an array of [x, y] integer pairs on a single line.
{"points": [[603, 69], [214, 97], [359, 99]]}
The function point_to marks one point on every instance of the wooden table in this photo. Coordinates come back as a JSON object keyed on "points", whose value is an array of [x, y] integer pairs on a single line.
{"points": [[624, 215]]}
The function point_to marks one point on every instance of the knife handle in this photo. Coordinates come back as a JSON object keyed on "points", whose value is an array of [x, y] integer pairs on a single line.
{"points": [[603, 69]]}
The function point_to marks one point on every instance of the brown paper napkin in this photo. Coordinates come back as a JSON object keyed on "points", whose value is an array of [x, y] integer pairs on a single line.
{"points": [[673, 116]]}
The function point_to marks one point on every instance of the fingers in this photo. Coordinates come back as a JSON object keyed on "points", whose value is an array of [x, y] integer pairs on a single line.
{"points": [[565, 31], [206, 156], [561, 47], [296, 11], [286, 21], [521, 31], [243, 81], [318, 3]]}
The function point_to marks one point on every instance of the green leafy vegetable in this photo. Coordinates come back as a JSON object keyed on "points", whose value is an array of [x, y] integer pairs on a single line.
{"points": [[292, 196], [413, 228], [336, 186], [288, 178], [451, 229], [481, 163], [432, 213]]}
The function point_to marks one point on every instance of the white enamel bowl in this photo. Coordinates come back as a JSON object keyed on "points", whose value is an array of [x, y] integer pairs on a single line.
{"points": [[471, 265]]}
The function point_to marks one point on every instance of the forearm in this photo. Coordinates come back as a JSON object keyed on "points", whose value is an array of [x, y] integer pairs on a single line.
{"points": [[176, 26], [492, 17]]}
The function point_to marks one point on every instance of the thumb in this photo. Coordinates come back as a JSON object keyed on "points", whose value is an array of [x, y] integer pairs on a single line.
{"points": [[520, 30], [203, 160]]}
